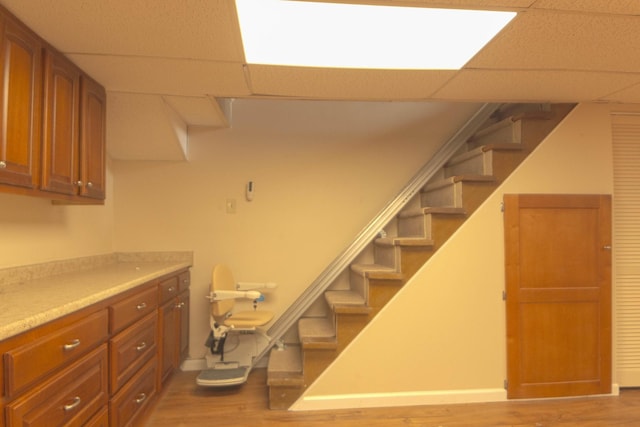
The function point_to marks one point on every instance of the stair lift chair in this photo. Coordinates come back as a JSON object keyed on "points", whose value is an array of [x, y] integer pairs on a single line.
{"points": [[234, 338]]}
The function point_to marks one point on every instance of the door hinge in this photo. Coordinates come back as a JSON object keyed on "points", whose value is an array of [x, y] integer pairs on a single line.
{"points": [[501, 206], [506, 384], [504, 295]]}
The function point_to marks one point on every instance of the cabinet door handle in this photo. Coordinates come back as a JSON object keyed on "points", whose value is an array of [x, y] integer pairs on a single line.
{"points": [[89, 184], [141, 346], [141, 306], [141, 398], [171, 289], [70, 346], [179, 305], [73, 405], [3, 164], [78, 183]]}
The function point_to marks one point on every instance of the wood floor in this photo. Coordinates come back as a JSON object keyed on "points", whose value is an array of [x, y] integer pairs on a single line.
{"points": [[184, 404]]}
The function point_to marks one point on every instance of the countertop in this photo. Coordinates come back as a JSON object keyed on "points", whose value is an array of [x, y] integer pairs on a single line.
{"points": [[37, 298]]}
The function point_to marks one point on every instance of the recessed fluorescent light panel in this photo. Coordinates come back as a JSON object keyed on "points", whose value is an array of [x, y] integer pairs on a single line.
{"points": [[314, 34]]}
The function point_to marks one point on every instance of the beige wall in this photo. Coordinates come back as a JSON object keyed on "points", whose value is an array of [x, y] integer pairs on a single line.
{"points": [[322, 170], [442, 339], [33, 230]]}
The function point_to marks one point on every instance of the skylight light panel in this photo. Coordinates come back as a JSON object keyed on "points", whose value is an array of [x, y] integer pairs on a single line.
{"points": [[313, 34]]}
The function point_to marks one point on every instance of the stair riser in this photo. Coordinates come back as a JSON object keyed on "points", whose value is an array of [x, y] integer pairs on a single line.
{"points": [[446, 196], [509, 133], [476, 165], [387, 256]]}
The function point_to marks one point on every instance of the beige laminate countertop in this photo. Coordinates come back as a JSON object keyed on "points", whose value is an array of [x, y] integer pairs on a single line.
{"points": [[27, 304]]}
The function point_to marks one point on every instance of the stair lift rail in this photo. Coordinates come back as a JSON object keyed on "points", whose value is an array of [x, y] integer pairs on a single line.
{"points": [[368, 233]]}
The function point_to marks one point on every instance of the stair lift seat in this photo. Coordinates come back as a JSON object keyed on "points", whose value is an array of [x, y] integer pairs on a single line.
{"points": [[231, 368]]}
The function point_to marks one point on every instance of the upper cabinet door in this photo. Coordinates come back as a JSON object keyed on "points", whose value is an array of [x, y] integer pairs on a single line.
{"points": [[20, 104], [60, 167], [93, 108]]}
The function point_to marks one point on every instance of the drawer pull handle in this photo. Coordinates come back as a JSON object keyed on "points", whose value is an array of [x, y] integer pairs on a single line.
{"points": [[171, 289], [141, 398], [142, 346], [73, 344], [74, 405], [141, 306]]}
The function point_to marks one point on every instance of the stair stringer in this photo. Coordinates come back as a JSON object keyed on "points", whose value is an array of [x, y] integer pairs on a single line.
{"points": [[379, 283]]}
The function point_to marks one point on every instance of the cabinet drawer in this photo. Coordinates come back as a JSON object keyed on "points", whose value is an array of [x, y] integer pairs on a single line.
{"points": [[131, 402], [69, 398], [133, 308], [168, 289], [184, 280], [26, 364], [131, 348], [101, 419]]}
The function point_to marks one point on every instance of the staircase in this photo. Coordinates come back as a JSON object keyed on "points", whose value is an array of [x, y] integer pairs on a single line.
{"points": [[422, 226]]}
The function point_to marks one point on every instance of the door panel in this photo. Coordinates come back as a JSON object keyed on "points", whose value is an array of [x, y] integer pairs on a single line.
{"points": [[558, 267]]}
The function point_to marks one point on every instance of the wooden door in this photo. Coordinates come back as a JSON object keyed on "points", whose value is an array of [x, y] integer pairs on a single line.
{"points": [[20, 98], [61, 112], [558, 287], [93, 111]]}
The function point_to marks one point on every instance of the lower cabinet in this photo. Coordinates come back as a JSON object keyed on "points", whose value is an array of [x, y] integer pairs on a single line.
{"points": [[102, 366], [173, 318], [128, 406], [70, 397]]}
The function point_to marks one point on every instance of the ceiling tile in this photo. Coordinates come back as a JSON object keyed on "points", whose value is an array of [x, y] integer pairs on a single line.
{"points": [[630, 94], [630, 7], [560, 41], [199, 29], [534, 86], [165, 76], [470, 4], [327, 83]]}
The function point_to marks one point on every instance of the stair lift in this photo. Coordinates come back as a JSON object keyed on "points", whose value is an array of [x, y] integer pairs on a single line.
{"points": [[234, 339]]}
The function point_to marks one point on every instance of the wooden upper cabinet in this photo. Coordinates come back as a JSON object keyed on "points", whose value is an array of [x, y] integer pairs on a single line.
{"points": [[52, 120], [20, 104], [93, 110], [60, 167], [74, 140]]}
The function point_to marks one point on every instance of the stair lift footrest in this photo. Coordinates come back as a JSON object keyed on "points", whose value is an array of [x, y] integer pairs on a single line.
{"points": [[223, 377]]}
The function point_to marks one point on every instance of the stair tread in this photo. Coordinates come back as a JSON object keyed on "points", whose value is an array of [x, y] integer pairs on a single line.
{"points": [[404, 241], [315, 328], [376, 271], [455, 179], [285, 361], [344, 298], [477, 151], [431, 210]]}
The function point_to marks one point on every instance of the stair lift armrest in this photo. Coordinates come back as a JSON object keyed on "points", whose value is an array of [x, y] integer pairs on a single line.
{"points": [[225, 295], [247, 286]]}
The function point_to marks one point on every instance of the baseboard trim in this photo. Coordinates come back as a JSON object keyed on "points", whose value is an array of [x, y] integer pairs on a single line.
{"points": [[193, 364], [418, 398]]}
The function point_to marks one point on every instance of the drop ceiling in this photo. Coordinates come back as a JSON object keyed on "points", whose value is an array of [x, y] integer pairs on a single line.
{"points": [[186, 57]]}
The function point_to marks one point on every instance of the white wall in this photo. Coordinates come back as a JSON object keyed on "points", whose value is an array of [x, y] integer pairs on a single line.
{"points": [[442, 339], [33, 230], [322, 170]]}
